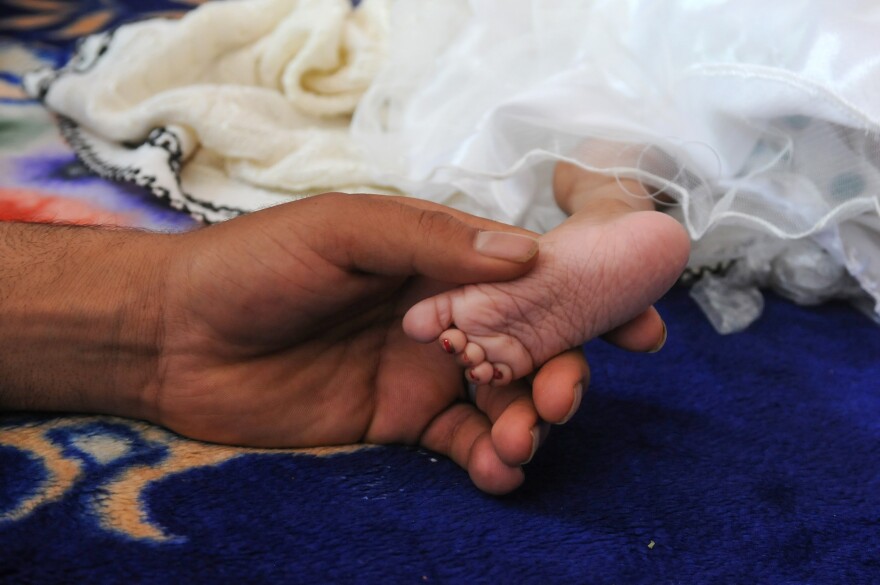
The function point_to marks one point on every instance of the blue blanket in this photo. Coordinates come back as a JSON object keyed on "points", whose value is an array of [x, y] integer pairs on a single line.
{"points": [[743, 459], [753, 458]]}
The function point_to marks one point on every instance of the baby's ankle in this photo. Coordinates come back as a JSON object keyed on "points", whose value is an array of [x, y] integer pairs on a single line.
{"points": [[576, 190], [598, 206]]}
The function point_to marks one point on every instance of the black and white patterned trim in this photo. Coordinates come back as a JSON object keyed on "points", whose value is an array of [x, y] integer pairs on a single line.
{"points": [[88, 52], [174, 195], [692, 276]]}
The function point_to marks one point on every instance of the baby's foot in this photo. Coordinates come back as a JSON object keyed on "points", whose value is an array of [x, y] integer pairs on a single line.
{"points": [[600, 269]]}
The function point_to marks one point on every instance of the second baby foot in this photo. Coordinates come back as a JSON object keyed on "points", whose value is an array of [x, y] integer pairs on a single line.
{"points": [[601, 268]]}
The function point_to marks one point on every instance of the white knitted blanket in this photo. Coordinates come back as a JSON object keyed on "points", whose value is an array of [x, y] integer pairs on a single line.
{"points": [[238, 106]]}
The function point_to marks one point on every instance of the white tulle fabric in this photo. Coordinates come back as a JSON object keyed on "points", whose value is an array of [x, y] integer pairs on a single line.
{"points": [[758, 120]]}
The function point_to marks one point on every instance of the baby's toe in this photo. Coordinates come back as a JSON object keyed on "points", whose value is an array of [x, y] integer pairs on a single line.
{"points": [[502, 375], [481, 374], [510, 351], [453, 341], [427, 319], [473, 355]]}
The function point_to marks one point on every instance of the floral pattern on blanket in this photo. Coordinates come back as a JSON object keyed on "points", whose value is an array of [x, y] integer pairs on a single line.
{"points": [[60, 21], [41, 180], [104, 469]]}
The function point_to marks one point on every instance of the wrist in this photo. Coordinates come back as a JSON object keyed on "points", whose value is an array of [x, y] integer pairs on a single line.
{"points": [[81, 318]]}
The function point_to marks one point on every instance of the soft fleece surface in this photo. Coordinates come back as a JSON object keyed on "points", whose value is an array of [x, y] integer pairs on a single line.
{"points": [[753, 458]]}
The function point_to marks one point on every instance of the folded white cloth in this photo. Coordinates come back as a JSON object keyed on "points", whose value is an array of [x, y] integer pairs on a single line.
{"points": [[246, 103], [759, 119]]}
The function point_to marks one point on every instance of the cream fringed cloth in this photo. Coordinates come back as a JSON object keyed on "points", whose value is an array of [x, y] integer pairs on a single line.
{"points": [[238, 106]]}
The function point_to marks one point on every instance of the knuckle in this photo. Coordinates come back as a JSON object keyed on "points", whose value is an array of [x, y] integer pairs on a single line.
{"points": [[439, 224]]}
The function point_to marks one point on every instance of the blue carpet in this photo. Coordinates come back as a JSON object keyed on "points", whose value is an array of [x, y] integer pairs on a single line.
{"points": [[744, 459]]}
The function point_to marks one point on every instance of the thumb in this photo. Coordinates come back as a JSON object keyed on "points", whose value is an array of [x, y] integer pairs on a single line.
{"points": [[392, 236]]}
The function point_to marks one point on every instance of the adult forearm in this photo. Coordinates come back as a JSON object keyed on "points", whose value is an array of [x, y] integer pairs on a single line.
{"points": [[79, 317]]}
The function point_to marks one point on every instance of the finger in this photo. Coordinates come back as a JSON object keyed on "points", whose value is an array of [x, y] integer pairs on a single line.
{"points": [[463, 434], [559, 386], [478, 222], [645, 333], [517, 431], [382, 235]]}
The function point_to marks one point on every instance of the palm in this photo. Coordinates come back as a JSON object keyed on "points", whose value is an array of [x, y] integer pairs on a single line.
{"points": [[310, 355], [283, 328]]}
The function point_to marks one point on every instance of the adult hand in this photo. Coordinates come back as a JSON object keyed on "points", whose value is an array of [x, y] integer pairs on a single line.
{"points": [[282, 329]]}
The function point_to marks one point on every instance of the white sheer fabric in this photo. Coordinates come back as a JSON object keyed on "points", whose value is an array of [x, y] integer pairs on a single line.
{"points": [[758, 119]]}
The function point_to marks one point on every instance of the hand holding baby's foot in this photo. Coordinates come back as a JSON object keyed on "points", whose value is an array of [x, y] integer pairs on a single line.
{"points": [[282, 328], [598, 272]]}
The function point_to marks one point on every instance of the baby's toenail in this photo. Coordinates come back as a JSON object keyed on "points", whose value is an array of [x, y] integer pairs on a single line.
{"points": [[498, 374], [473, 376], [447, 346]]}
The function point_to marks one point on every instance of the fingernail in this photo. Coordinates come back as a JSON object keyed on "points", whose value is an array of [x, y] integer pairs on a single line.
{"points": [[538, 434], [536, 442], [506, 246], [662, 341], [578, 395], [447, 346]]}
